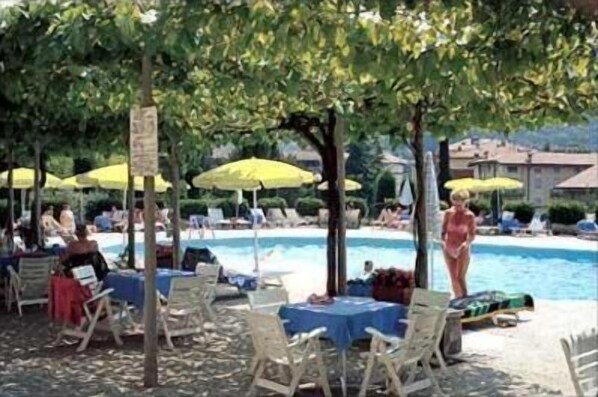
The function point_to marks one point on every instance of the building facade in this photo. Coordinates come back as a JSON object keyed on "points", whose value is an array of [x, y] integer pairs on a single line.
{"points": [[463, 152], [540, 172]]}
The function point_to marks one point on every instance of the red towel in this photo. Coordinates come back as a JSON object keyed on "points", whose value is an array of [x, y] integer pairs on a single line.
{"points": [[65, 301]]}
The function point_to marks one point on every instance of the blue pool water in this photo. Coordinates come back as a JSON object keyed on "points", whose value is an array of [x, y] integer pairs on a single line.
{"points": [[543, 273]]}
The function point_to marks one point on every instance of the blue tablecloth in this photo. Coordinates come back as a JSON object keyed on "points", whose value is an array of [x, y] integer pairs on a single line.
{"points": [[346, 319], [129, 287]]}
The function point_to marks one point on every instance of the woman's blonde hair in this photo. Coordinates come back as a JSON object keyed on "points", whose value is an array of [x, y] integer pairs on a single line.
{"points": [[459, 195]]}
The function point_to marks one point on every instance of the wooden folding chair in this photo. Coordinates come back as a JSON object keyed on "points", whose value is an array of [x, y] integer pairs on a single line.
{"points": [[94, 308], [581, 352], [182, 314], [427, 301], [400, 355], [273, 347], [29, 286], [209, 274]]}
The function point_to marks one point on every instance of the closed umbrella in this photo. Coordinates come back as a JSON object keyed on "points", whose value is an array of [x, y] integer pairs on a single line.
{"points": [[433, 225], [406, 196], [254, 174]]}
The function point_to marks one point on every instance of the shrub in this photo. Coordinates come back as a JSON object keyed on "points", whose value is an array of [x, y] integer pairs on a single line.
{"points": [[478, 205], [444, 206], [272, 202], [386, 187], [193, 207], [309, 206], [228, 206], [359, 203], [524, 211], [566, 213], [96, 206]]}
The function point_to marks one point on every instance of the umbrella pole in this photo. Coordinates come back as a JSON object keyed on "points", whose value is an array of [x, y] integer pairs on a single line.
{"points": [[255, 242], [81, 211], [124, 209], [23, 203]]}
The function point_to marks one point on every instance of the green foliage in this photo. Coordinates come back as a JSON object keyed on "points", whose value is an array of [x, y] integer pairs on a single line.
{"points": [[386, 187], [359, 203], [477, 205], [596, 213], [272, 202], [363, 165], [566, 212], [193, 207], [524, 211], [309, 206], [444, 206]]}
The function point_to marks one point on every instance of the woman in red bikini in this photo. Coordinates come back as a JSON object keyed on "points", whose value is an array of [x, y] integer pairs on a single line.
{"points": [[458, 231]]}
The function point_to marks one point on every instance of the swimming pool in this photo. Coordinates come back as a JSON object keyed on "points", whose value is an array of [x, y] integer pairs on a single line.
{"points": [[544, 273]]}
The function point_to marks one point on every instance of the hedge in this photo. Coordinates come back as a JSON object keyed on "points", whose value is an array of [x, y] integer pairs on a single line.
{"points": [[524, 211], [566, 213], [308, 206], [360, 203], [478, 205], [267, 203]]}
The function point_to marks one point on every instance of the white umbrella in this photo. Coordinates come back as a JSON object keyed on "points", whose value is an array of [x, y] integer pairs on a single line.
{"points": [[406, 196], [432, 210]]}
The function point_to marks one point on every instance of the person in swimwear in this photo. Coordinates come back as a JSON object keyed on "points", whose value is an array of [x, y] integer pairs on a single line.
{"points": [[458, 231]]}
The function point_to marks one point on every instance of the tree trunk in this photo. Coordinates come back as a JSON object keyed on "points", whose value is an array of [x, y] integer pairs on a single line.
{"points": [[176, 204], [421, 261], [37, 201], [331, 173], [444, 174], [150, 345], [342, 219], [131, 219], [11, 194]]}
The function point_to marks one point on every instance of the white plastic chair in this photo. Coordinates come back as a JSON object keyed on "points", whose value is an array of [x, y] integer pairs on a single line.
{"points": [[276, 218], [426, 301], [182, 314], [93, 308], [268, 301], [29, 286], [581, 352], [209, 274], [299, 356], [398, 355], [294, 218]]}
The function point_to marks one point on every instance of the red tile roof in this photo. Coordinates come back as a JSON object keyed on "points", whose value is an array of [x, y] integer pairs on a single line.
{"points": [[587, 179]]}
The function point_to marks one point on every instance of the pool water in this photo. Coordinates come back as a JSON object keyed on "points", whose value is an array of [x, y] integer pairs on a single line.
{"points": [[543, 273]]}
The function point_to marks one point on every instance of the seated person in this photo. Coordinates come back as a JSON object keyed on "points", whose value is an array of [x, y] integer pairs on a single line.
{"points": [[483, 219], [50, 226], [390, 216], [67, 219], [368, 270], [82, 245]]}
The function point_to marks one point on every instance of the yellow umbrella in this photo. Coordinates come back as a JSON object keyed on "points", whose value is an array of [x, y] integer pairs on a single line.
{"points": [[72, 183], [253, 174], [501, 184], [350, 185], [116, 177], [470, 184], [23, 179]]}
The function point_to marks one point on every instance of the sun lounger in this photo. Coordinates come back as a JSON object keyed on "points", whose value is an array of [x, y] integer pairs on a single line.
{"points": [[276, 218], [587, 230], [488, 304], [293, 218], [323, 217], [216, 217], [353, 218]]}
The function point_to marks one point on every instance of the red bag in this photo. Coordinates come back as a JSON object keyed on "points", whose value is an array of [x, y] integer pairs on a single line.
{"points": [[393, 285]]}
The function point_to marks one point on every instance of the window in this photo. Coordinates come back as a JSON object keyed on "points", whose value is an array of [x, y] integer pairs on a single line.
{"points": [[512, 169], [537, 170], [538, 183]]}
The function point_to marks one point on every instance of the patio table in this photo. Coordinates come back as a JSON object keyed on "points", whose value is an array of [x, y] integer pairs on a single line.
{"points": [[130, 287], [345, 321]]}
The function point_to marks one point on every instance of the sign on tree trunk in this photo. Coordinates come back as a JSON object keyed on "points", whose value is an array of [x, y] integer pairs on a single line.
{"points": [[144, 141]]}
